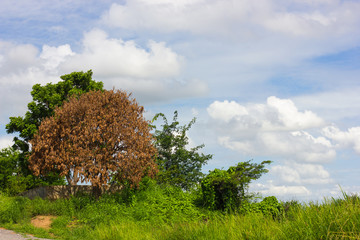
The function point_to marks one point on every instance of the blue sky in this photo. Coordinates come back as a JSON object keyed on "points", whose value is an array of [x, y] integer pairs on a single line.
{"points": [[268, 79]]}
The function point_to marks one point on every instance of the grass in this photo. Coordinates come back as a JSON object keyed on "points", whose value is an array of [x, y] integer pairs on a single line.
{"points": [[169, 213]]}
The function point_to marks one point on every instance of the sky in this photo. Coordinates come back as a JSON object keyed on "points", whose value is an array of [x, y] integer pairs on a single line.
{"points": [[271, 80]]}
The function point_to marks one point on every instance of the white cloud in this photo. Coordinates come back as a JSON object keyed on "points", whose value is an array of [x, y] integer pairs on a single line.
{"points": [[276, 128], [293, 173], [243, 18], [53, 56], [349, 138], [111, 57], [281, 190], [152, 73], [276, 115], [16, 58], [299, 146], [290, 117], [6, 141], [226, 111]]}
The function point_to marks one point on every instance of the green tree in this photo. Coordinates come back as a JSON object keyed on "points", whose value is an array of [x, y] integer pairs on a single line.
{"points": [[45, 100], [11, 179], [227, 189], [178, 165]]}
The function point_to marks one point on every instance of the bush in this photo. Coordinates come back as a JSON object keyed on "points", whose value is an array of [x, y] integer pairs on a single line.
{"points": [[12, 209], [12, 181], [227, 189], [269, 206]]}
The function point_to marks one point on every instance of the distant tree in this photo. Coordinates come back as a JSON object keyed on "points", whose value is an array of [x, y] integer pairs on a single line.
{"points": [[95, 137], [227, 189], [178, 165], [45, 100]]}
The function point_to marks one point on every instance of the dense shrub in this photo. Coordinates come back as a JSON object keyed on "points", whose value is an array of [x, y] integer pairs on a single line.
{"points": [[227, 189], [269, 206]]}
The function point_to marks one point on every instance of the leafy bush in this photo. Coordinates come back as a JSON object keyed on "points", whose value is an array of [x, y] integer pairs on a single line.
{"points": [[12, 181], [227, 189], [12, 209], [269, 206]]}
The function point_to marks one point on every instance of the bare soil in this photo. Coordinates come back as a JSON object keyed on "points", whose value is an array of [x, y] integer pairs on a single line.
{"points": [[42, 221]]}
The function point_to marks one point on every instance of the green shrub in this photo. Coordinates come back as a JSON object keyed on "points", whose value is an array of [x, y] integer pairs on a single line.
{"points": [[227, 189], [269, 206], [12, 209]]}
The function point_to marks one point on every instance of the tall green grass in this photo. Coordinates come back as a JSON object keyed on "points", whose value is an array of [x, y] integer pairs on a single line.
{"points": [[168, 213]]}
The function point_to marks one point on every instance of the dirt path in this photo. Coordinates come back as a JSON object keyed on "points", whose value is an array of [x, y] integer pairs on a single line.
{"points": [[11, 235], [38, 221]]}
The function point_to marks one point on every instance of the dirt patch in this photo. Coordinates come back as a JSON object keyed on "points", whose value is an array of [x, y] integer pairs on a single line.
{"points": [[42, 221]]}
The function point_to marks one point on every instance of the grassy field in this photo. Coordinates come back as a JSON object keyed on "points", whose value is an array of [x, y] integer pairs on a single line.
{"points": [[169, 213]]}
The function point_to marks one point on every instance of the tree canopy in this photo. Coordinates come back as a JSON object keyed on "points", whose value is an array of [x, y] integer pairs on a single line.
{"points": [[227, 189], [178, 165], [97, 136], [45, 100]]}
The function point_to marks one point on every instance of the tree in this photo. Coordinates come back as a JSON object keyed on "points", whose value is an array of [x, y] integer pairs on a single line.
{"points": [[178, 165], [97, 136], [45, 100], [11, 181], [227, 189]]}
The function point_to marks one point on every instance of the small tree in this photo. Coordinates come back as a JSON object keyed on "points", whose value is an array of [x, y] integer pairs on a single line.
{"points": [[178, 165], [96, 137], [11, 180], [226, 189]]}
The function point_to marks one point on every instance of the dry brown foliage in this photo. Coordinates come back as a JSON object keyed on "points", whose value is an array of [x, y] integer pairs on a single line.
{"points": [[95, 137]]}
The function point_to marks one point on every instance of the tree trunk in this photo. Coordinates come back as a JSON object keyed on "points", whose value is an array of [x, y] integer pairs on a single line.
{"points": [[96, 191]]}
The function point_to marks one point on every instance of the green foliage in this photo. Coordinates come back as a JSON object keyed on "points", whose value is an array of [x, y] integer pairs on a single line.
{"points": [[12, 181], [178, 165], [12, 209], [45, 99], [226, 189], [109, 217], [269, 206]]}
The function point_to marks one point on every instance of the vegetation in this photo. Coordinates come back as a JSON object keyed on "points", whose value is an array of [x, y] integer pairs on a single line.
{"points": [[45, 100], [11, 180], [96, 137], [83, 132], [178, 165], [158, 212], [227, 189]]}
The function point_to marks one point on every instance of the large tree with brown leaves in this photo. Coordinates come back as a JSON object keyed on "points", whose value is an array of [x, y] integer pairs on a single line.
{"points": [[98, 136]]}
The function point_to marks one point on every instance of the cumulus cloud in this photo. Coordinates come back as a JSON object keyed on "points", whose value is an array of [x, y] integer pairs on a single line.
{"points": [[300, 143], [349, 138], [276, 115], [111, 57], [277, 129], [152, 73], [53, 56], [294, 173]]}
